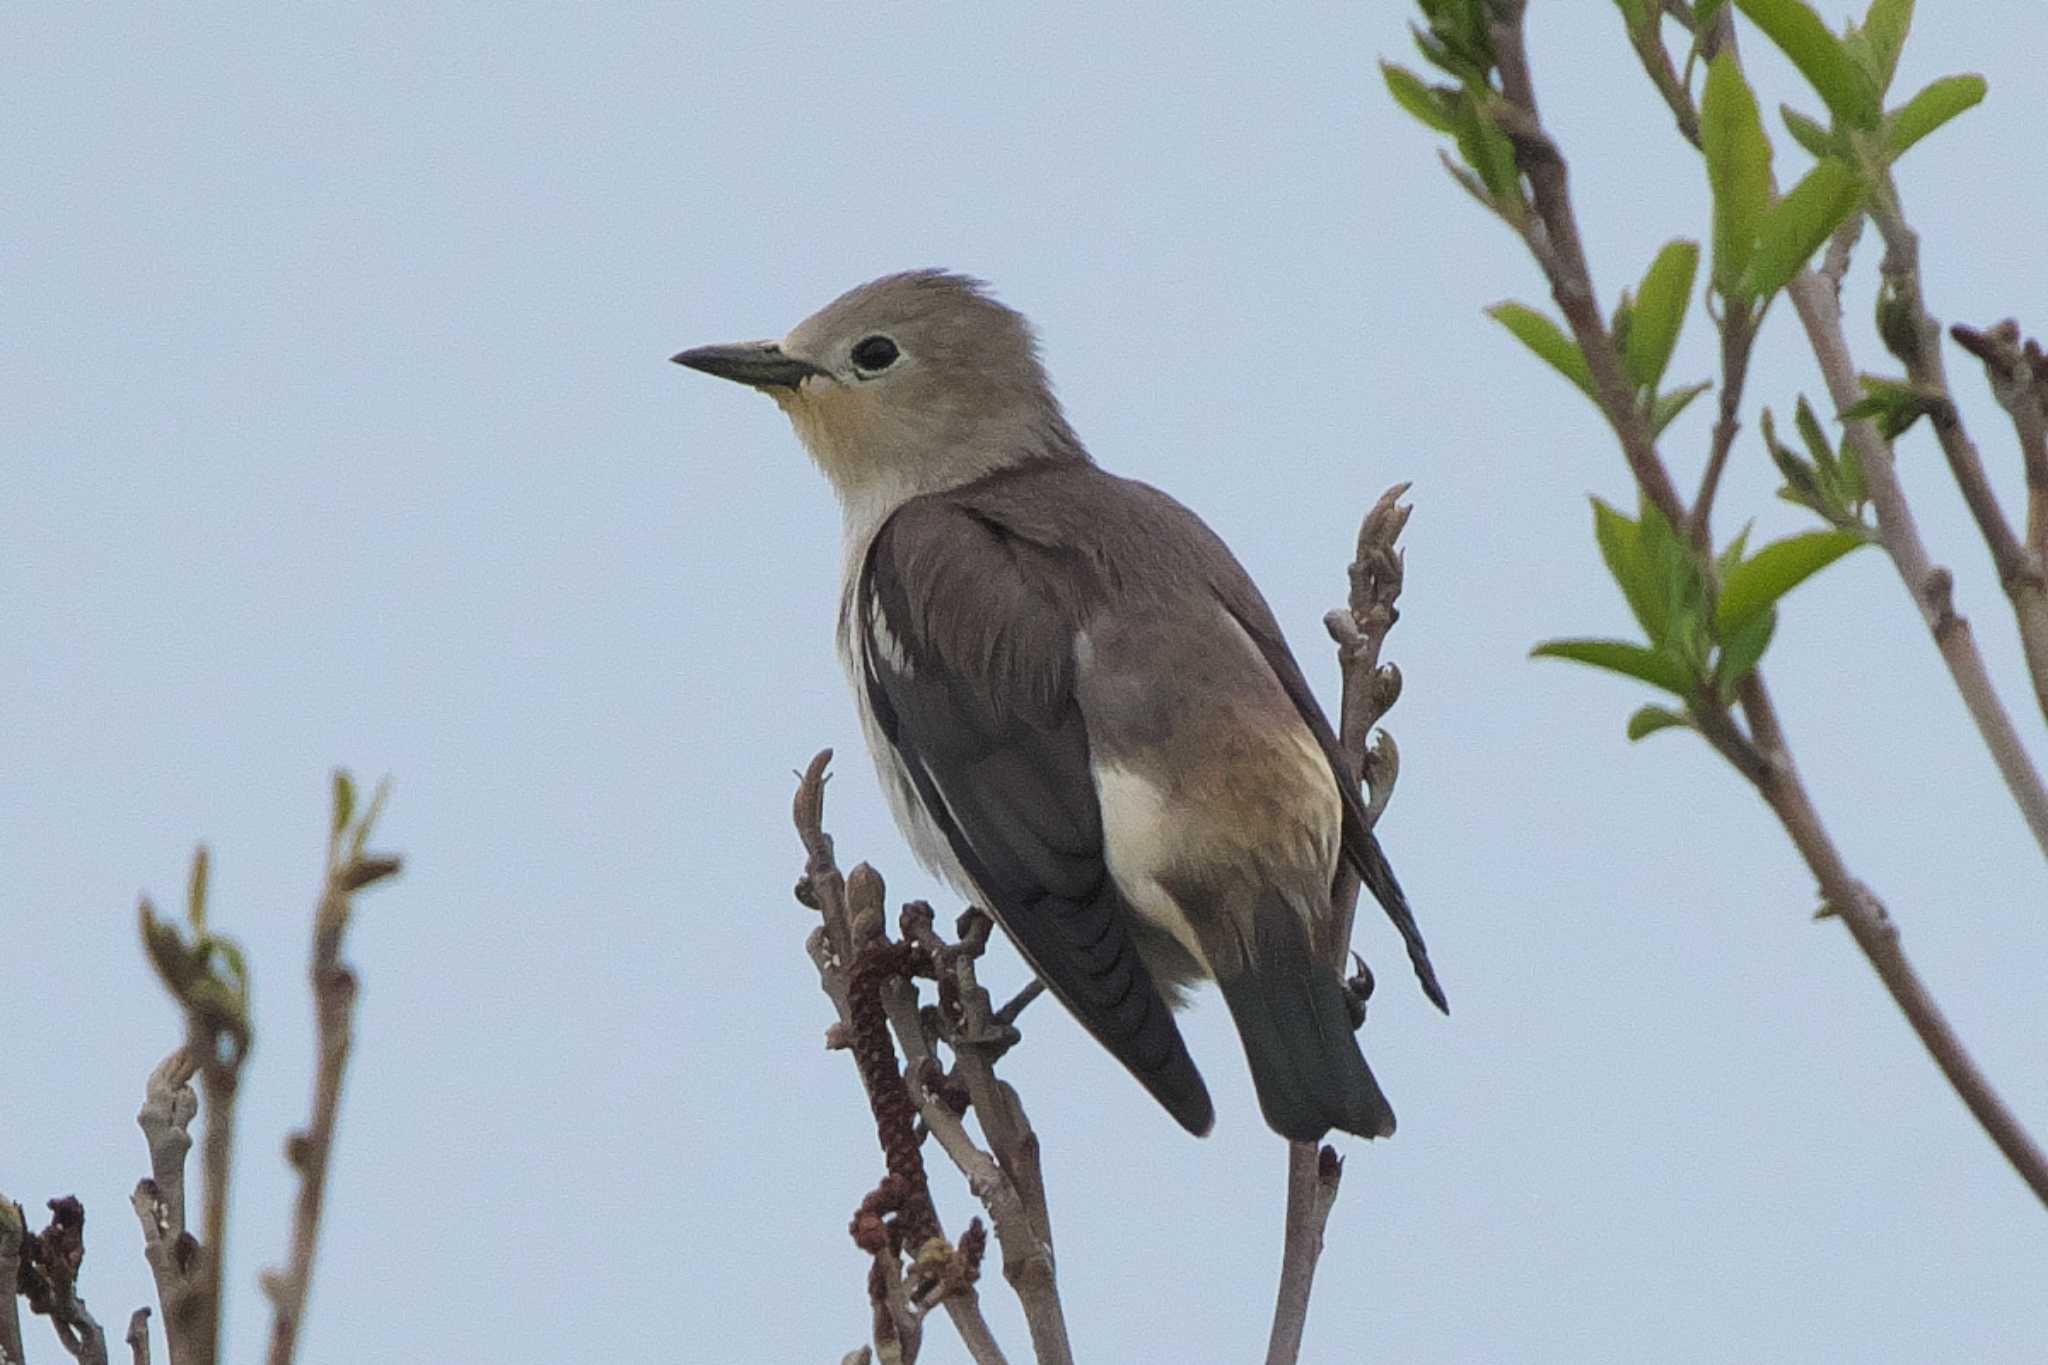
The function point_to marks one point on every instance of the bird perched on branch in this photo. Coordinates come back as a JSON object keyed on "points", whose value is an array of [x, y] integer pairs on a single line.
{"points": [[1082, 710]]}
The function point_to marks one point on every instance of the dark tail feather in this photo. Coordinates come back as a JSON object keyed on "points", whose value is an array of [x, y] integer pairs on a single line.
{"points": [[1378, 875], [1296, 1026]]}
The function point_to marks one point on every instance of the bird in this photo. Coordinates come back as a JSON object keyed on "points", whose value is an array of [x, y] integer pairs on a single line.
{"points": [[1082, 711]]}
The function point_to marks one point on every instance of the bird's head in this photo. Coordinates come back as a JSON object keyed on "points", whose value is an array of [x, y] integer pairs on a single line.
{"points": [[909, 384]]}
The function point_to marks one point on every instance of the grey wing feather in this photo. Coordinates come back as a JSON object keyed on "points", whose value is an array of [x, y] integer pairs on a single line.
{"points": [[975, 694]]}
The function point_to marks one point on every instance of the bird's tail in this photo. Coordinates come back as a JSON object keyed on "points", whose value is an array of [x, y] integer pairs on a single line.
{"points": [[1296, 1025]]}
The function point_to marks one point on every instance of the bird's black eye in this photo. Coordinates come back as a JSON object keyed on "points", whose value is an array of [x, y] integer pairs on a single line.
{"points": [[874, 353]]}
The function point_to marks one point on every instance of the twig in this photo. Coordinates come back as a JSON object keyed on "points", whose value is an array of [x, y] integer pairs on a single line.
{"points": [[1648, 42], [1359, 629], [1738, 331], [1553, 238], [2019, 381], [1029, 992], [166, 1116], [2022, 572], [220, 1074], [47, 1276], [137, 1336], [850, 909], [349, 870], [1859, 909], [13, 1232], [1313, 1176], [977, 1040], [1370, 689], [1931, 585]]}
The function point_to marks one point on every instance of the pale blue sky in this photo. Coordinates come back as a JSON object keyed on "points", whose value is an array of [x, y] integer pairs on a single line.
{"points": [[337, 427]]}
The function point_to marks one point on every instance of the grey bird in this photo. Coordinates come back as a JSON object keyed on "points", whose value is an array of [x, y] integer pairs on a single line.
{"points": [[1083, 712]]}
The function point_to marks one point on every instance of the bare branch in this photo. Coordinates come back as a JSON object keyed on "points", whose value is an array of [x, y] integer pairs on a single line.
{"points": [[1313, 1175], [1915, 337], [349, 870], [1820, 314], [220, 1074], [47, 1265], [1023, 1230], [137, 1336], [13, 1233], [1860, 911], [168, 1107], [1370, 689], [2019, 381], [851, 911], [1553, 238]]}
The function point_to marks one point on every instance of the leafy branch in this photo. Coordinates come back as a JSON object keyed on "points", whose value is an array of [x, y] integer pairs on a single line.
{"points": [[1709, 615]]}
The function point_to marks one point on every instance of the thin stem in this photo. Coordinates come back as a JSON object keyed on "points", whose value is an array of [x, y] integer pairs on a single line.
{"points": [[137, 1336], [1930, 585], [13, 1228], [1553, 238], [1865, 917], [168, 1108], [219, 1081], [1738, 331], [1648, 41], [1313, 1176], [1916, 339], [309, 1149]]}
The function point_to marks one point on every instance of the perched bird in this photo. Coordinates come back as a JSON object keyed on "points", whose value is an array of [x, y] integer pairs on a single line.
{"points": [[1082, 710]]}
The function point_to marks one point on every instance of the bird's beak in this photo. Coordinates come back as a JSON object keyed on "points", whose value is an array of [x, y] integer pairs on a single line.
{"points": [[761, 364]]}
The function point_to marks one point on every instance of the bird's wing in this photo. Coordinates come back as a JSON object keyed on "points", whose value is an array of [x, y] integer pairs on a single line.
{"points": [[966, 649], [1241, 599]]}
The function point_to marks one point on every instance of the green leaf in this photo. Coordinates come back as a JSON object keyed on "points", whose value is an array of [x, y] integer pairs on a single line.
{"points": [[1417, 97], [1742, 650], [1928, 110], [1802, 483], [1738, 157], [237, 970], [1820, 56], [1547, 340], [1824, 462], [1891, 403], [1810, 431], [1621, 656], [1809, 133], [195, 894], [1485, 148], [344, 801], [1849, 464], [1797, 225], [1732, 556], [1628, 560], [1659, 312], [1668, 405], [1637, 14], [1759, 581], [1885, 27], [1648, 720]]}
